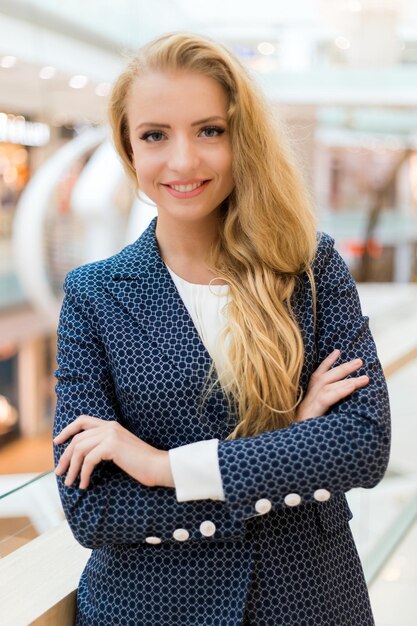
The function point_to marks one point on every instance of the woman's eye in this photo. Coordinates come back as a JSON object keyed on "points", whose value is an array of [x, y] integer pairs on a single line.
{"points": [[145, 136], [217, 130], [155, 136]]}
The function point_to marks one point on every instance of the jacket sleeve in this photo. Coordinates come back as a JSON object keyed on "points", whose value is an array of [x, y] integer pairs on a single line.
{"points": [[115, 508], [326, 456]]}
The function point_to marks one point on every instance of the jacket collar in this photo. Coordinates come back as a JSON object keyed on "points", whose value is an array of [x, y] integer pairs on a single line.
{"points": [[143, 286], [139, 259]]}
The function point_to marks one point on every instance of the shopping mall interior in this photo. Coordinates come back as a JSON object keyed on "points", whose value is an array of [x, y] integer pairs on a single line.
{"points": [[341, 75]]}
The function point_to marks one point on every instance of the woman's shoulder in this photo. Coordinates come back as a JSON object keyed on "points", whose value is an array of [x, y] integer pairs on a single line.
{"points": [[88, 276], [97, 273], [325, 244], [324, 250]]}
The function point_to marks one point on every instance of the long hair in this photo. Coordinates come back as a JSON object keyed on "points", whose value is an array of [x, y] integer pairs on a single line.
{"points": [[267, 233]]}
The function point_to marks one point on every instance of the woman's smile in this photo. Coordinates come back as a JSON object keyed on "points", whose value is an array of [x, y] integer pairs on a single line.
{"points": [[187, 191]]}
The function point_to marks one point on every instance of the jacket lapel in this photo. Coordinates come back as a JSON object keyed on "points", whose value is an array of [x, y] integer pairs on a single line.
{"points": [[143, 286]]}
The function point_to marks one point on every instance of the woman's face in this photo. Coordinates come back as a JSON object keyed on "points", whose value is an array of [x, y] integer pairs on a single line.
{"points": [[175, 144]]}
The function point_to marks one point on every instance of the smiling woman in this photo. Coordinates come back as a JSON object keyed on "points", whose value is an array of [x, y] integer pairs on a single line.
{"points": [[205, 434]]}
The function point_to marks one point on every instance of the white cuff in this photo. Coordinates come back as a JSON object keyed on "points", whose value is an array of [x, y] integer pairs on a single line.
{"points": [[196, 472]]}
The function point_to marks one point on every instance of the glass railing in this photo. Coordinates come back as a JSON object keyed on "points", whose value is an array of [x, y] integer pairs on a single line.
{"points": [[378, 565], [391, 571], [29, 506], [384, 521]]}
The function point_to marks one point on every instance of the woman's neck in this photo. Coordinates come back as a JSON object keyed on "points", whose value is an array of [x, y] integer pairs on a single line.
{"points": [[184, 247]]}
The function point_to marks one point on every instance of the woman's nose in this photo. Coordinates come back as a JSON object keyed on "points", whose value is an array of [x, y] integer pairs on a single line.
{"points": [[183, 156]]}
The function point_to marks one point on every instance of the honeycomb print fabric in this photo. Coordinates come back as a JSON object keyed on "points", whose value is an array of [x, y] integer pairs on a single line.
{"points": [[279, 550]]}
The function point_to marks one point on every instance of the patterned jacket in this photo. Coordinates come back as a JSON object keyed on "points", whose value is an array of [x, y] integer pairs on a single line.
{"points": [[279, 550]]}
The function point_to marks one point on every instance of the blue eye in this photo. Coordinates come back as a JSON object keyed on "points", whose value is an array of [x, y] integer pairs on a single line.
{"points": [[145, 136], [218, 130]]}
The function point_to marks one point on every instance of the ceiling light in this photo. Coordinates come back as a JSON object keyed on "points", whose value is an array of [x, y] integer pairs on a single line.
{"points": [[342, 43], [8, 61], [47, 72], [78, 81], [103, 89], [266, 48]]}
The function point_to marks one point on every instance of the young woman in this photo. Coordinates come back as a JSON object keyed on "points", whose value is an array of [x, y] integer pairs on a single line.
{"points": [[204, 433]]}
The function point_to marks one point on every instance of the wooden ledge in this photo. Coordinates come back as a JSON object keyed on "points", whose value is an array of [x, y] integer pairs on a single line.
{"points": [[39, 580]]}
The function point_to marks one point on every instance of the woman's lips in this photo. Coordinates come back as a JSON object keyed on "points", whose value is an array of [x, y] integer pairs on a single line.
{"points": [[187, 194]]}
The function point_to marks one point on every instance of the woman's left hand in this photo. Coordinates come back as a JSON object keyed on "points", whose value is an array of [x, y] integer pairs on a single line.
{"points": [[95, 440]]}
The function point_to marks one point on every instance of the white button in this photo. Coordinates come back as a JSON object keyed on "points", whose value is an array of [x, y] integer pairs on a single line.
{"points": [[321, 495], [154, 540], [207, 528], [292, 499], [180, 534], [263, 506]]}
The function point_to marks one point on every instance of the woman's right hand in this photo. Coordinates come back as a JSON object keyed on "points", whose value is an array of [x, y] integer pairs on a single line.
{"points": [[327, 386]]}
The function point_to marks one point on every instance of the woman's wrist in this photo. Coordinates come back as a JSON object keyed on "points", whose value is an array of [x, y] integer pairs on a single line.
{"points": [[162, 470]]}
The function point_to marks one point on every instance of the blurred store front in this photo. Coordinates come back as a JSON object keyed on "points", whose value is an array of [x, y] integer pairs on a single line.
{"points": [[27, 355]]}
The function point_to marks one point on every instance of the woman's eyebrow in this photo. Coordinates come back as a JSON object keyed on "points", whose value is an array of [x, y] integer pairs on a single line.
{"points": [[207, 119]]}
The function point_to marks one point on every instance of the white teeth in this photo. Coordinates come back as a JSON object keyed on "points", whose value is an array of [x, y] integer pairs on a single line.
{"points": [[187, 187]]}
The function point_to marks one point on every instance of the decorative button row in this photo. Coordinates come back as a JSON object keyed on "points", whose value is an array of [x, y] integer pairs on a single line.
{"points": [[263, 505], [207, 529]]}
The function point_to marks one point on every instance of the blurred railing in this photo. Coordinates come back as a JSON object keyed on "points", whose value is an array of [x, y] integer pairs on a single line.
{"points": [[41, 562], [398, 532]]}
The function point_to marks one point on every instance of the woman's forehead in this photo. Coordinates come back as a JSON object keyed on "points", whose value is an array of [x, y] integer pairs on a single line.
{"points": [[175, 98], [187, 88]]}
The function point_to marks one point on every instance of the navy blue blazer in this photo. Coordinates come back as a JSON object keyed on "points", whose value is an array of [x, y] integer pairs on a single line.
{"points": [[282, 551]]}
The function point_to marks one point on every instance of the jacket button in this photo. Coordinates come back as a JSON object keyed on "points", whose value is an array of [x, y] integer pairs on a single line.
{"points": [[292, 499], [321, 495], [207, 528], [154, 540], [180, 534], [263, 506]]}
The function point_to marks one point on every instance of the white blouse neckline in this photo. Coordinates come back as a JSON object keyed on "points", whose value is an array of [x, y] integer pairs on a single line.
{"points": [[197, 285]]}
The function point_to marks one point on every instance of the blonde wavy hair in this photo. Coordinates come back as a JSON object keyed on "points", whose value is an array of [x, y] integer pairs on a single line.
{"points": [[267, 233]]}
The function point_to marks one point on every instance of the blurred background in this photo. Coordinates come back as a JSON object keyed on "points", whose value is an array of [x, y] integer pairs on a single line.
{"points": [[342, 75]]}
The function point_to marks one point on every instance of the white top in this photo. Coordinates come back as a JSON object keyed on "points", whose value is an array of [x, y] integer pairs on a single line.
{"points": [[195, 466], [206, 306]]}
